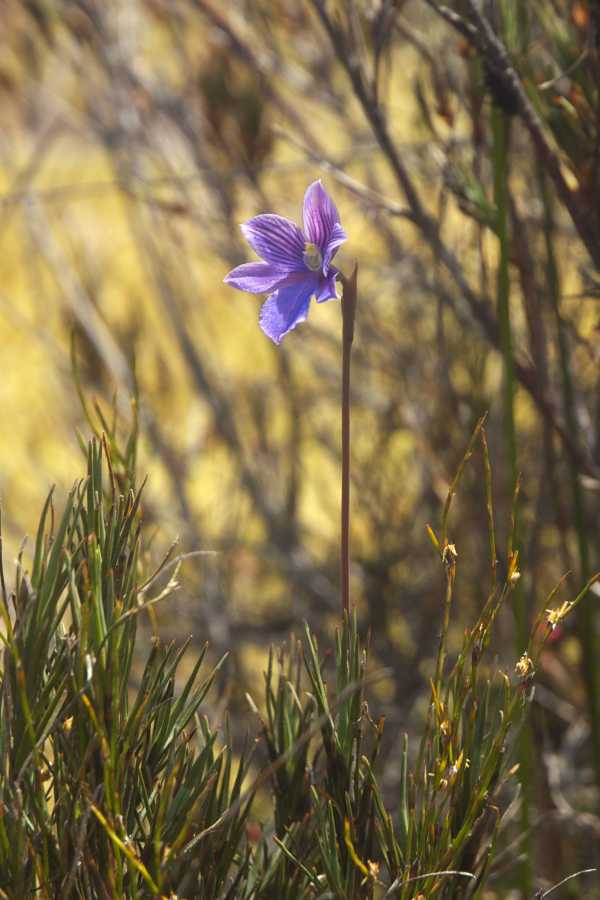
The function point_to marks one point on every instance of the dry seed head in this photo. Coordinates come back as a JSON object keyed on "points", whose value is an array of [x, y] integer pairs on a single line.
{"points": [[449, 553], [554, 616], [460, 762], [524, 667], [373, 868], [513, 567]]}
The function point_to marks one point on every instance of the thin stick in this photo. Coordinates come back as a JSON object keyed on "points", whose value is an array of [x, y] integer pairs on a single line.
{"points": [[348, 318], [564, 881]]}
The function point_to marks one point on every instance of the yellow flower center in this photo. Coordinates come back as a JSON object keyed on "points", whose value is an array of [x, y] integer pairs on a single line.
{"points": [[312, 257]]}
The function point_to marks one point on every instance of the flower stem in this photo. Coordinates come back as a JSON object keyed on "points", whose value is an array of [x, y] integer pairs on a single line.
{"points": [[501, 136], [348, 318]]}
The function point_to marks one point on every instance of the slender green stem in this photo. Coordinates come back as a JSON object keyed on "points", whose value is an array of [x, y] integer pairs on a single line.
{"points": [[500, 127], [348, 318], [586, 616], [439, 668], [501, 139], [501, 155]]}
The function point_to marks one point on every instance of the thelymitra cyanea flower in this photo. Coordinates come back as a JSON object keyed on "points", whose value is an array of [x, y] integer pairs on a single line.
{"points": [[296, 264]]}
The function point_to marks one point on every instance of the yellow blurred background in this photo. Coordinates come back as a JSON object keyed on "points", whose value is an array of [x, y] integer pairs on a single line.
{"points": [[136, 136]]}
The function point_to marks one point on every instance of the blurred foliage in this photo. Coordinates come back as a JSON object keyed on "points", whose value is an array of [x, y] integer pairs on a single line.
{"points": [[136, 136]]}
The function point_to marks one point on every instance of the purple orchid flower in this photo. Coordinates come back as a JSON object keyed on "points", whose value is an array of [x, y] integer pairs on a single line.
{"points": [[297, 264]]}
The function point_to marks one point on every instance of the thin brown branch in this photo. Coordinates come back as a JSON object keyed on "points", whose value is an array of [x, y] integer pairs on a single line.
{"points": [[496, 57]]}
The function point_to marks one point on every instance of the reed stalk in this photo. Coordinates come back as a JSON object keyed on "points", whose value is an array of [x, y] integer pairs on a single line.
{"points": [[501, 152]]}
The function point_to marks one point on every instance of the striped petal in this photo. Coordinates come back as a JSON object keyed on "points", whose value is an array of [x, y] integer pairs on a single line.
{"points": [[277, 240], [258, 277], [322, 220], [336, 239], [286, 308]]}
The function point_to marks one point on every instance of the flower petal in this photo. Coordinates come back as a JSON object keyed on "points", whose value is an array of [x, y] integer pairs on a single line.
{"points": [[286, 308], [258, 277], [320, 216], [327, 289], [336, 239], [276, 240]]}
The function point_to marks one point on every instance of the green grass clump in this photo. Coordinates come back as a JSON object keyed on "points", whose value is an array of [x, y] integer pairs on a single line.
{"points": [[111, 791], [104, 792]]}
